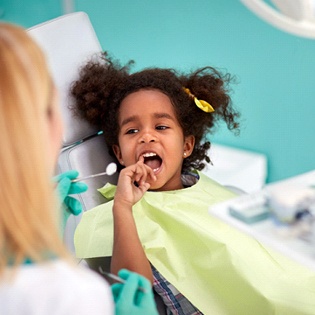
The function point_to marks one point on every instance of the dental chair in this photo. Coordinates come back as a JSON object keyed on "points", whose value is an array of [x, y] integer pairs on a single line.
{"points": [[69, 42]]}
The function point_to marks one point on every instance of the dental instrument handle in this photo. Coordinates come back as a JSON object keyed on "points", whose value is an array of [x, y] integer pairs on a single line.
{"points": [[88, 177], [118, 279], [110, 170]]}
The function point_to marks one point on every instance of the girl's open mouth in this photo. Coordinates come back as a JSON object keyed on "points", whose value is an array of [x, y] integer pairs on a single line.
{"points": [[152, 160]]}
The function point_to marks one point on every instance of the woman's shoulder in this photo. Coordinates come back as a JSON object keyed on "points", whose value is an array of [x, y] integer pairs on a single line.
{"points": [[54, 285]]}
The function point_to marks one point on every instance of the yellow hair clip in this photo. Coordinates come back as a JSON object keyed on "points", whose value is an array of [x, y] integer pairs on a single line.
{"points": [[203, 105]]}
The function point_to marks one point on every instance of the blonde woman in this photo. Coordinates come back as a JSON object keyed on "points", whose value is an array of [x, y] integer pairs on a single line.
{"points": [[37, 275]]}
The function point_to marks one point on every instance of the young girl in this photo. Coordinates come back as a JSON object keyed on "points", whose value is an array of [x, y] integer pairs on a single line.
{"points": [[37, 275], [155, 122]]}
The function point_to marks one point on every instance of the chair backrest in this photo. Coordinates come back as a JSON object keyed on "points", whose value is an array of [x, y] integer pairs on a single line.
{"points": [[69, 42]]}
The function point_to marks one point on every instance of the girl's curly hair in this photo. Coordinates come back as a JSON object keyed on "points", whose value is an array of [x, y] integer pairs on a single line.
{"points": [[103, 84]]}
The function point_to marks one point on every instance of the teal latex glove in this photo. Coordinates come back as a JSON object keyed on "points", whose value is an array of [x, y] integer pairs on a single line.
{"points": [[66, 187], [131, 301]]}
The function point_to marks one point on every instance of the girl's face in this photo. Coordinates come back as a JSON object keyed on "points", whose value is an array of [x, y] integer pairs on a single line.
{"points": [[148, 127]]}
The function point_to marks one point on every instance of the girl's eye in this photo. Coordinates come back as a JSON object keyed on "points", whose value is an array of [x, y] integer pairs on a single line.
{"points": [[130, 131], [161, 127]]}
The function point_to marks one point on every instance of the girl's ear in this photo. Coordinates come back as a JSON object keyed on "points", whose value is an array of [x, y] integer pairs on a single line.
{"points": [[117, 152], [189, 144]]}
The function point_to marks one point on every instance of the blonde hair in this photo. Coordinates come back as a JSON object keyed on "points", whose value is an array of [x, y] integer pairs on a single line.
{"points": [[28, 214]]}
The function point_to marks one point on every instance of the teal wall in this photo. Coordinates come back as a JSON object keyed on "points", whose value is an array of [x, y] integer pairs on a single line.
{"points": [[29, 12], [275, 70]]}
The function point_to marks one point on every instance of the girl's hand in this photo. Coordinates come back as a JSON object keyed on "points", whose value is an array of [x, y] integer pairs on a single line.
{"points": [[133, 183]]}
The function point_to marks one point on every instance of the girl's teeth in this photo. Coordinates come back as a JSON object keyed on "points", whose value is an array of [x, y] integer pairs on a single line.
{"points": [[149, 154]]}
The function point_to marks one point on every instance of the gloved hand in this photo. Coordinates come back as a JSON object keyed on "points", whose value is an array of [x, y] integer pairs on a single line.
{"points": [[129, 300], [66, 187]]}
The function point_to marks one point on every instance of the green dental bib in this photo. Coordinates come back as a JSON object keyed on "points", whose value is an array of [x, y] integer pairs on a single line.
{"points": [[219, 269]]}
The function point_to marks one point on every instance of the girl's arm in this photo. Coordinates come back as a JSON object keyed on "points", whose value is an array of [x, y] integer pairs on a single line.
{"points": [[127, 250]]}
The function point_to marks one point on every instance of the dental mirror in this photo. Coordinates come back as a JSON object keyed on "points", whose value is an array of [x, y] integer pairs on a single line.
{"points": [[110, 170]]}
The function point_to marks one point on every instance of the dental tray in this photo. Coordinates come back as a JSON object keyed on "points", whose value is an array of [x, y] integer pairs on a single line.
{"points": [[252, 214]]}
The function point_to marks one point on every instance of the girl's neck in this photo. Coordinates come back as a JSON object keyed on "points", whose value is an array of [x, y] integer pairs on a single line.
{"points": [[186, 180], [173, 184]]}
